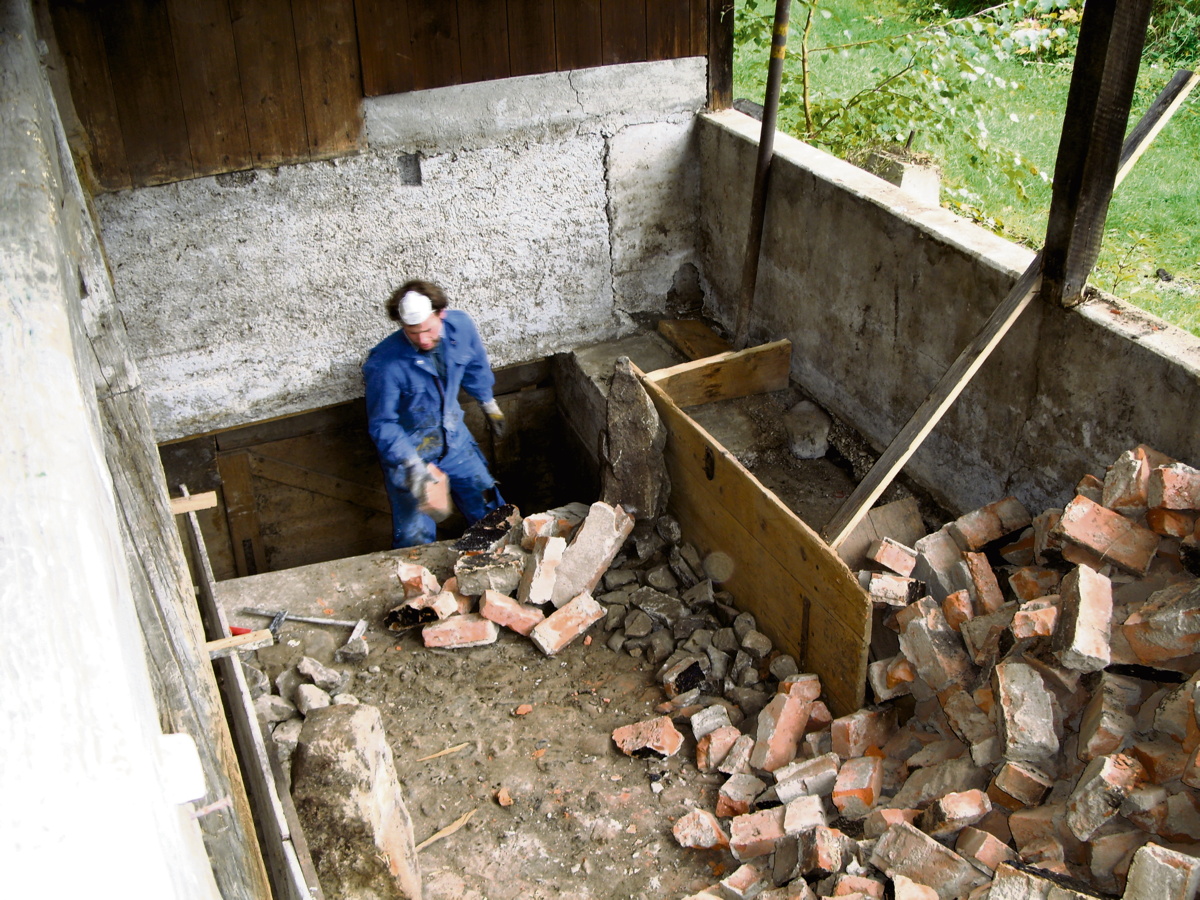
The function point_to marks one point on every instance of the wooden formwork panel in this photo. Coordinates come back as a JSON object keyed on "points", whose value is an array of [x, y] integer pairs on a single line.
{"points": [[801, 593]]}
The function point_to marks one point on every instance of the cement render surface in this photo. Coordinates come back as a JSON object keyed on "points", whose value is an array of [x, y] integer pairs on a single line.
{"points": [[551, 208], [879, 292]]}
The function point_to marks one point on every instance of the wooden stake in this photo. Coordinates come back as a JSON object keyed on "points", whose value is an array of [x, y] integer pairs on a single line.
{"points": [[447, 831]]}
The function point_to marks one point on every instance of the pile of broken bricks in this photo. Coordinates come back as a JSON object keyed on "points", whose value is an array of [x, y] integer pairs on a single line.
{"points": [[1035, 732]]}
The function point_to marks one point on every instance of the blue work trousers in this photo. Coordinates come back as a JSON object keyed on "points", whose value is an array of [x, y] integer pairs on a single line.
{"points": [[471, 486]]}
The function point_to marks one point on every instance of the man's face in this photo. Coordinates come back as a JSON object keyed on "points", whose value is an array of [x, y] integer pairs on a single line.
{"points": [[426, 335]]}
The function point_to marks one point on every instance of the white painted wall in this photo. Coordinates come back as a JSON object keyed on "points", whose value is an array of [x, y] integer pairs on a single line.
{"points": [[553, 208], [82, 783]]}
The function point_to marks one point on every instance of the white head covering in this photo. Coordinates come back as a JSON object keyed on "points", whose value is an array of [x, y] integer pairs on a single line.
{"points": [[415, 308]]}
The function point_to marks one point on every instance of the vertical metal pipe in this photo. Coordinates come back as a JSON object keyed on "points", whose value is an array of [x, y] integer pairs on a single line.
{"points": [[762, 171]]}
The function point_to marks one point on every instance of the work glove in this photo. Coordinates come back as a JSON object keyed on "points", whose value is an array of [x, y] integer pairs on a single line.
{"points": [[416, 476], [495, 418]]}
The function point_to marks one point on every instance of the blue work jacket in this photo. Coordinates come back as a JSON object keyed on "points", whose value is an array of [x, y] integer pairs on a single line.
{"points": [[410, 412]]}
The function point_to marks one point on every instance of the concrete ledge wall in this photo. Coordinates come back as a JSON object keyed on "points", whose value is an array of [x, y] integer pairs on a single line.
{"points": [[878, 294], [553, 208], [83, 781]]}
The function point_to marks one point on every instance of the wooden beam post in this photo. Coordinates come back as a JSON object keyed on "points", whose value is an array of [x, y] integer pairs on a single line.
{"points": [[720, 54], [1106, 65]]}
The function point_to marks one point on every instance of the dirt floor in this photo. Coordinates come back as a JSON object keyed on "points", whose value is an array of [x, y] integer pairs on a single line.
{"points": [[585, 820]]}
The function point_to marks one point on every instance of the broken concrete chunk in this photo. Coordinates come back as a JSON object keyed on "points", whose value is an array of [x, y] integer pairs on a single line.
{"points": [[350, 803], [310, 697], [1025, 714], [651, 738], [567, 623], [587, 558], [1081, 639], [903, 850], [700, 829], [537, 581], [498, 570]]}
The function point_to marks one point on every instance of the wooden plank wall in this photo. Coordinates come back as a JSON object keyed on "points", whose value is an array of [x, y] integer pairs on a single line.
{"points": [[801, 593], [175, 89]]}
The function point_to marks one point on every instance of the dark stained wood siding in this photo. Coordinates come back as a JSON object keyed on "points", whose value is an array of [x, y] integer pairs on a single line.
{"points": [[175, 89]]}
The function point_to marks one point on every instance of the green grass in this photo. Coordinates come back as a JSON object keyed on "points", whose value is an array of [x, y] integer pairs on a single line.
{"points": [[1154, 218]]}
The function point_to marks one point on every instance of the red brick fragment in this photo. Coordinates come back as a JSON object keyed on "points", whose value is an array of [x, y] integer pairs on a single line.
{"points": [[471, 630], [1175, 486], [756, 834], [566, 624], [505, 611], [1109, 535], [653, 737]]}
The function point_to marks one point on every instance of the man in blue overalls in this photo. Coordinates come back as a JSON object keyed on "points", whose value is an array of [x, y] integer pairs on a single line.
{"points": [[413, 415]]}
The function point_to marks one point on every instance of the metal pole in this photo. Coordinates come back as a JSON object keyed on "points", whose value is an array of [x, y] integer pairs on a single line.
{"points": [[766, 149]]}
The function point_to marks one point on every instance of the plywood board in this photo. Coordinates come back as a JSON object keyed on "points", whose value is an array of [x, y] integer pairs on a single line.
{"points": [[693, 338], [727, 376], [802, 595]]}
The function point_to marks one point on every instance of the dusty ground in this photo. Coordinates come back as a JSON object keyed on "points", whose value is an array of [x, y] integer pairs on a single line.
{"points": [[585, 821]]}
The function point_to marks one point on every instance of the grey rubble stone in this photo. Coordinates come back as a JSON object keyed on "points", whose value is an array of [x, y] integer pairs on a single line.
{"points": [[698, 639], [669, 529], [633, 471], [757, 644], [286, 736], [257, 682], [700, 596], [783, 665], [749, 700], [352, 651], [638, 624], [807, 427], [646, 541], [903, 850], [691, 556], [617, 578], [351, 806], [286, 683], [748, 677], [661, 578], [310, 697], [659, 606], [327, 679], [346, 700], [273, 708], [718, 663], [660, 646], [725, 611], [726, 641], [744, 624], [616, 641], [741, 662], [614, 616], [683, 573]]}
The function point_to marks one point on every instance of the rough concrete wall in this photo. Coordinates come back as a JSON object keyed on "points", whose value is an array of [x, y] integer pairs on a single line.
{"points": [[879, 293], [552, 208], [82, 780]]}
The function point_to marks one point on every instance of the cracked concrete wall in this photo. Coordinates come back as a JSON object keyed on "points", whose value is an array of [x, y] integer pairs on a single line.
{"points": [[85, 780], [553, 208], [879, 292]]}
